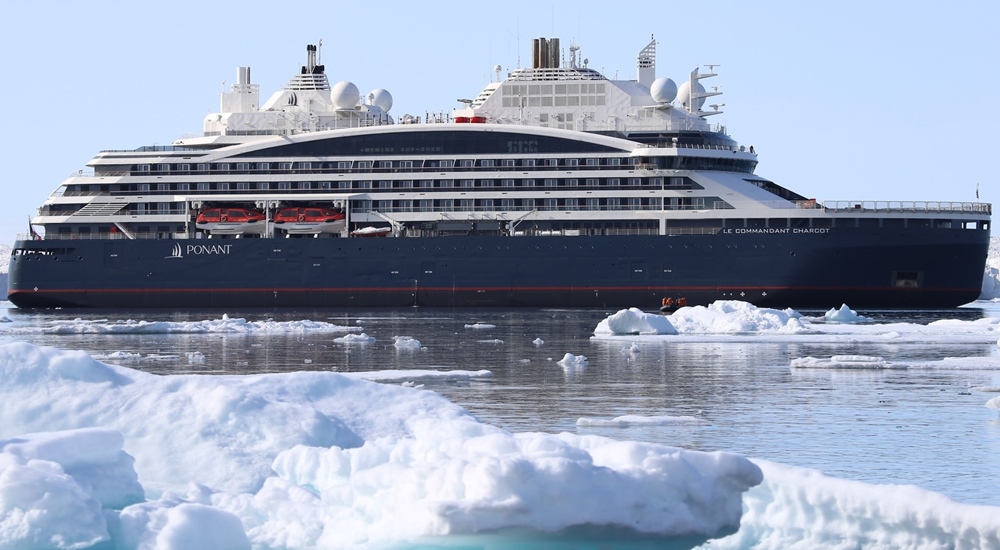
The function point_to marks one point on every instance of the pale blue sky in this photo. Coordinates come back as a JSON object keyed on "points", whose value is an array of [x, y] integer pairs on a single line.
{"points": [[842, 100]]}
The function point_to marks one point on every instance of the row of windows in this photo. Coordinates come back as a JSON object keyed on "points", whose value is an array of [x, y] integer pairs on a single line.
{"points": [[457, 205], [346, 166], [724, 164], [462, 205], [358, 185]]}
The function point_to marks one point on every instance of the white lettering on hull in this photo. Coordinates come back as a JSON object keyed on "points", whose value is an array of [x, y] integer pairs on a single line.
{"points": [[776, 230], [207, 249]]}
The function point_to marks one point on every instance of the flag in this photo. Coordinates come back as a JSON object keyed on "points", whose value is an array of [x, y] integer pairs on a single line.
{"points": [[34, 235], [977, 191]]}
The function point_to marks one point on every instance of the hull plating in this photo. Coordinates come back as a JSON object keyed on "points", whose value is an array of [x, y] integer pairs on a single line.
{"points": [[861, 267]]}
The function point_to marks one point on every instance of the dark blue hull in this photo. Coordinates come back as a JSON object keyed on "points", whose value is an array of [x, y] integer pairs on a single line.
{"points": [[865, 268]]}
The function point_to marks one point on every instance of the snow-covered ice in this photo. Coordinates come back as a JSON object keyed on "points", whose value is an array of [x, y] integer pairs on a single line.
{"points": [[312, 459]]}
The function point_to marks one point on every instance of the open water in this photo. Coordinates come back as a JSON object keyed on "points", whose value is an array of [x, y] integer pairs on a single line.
{"points": [[919, 426]]}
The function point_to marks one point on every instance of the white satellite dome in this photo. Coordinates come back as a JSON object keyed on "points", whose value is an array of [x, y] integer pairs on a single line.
{"points": [[683, 95], [344, 95], [381, 99], [663, 90]]}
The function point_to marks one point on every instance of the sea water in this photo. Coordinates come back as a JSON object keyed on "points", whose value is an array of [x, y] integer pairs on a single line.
{"points": [[925, 427]]}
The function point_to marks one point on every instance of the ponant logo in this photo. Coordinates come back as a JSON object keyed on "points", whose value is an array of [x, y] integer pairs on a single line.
{"points": [[179, 251]]}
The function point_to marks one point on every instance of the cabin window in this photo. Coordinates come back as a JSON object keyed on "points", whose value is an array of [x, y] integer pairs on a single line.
{"points": [[507, 163], [486, 163], [242, 166], [486, 183], [305, 166], [263, 166], [203, 167]]}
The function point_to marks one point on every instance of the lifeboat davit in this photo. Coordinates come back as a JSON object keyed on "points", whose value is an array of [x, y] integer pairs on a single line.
{"points": [[231, 221], [309, 220]]}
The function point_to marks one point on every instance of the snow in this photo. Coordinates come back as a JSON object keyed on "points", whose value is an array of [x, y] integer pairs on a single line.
{"points": [[846, 362], [635, 321], [843, 315], [361, 339], [733, 321], [991, 276], [406, 343], [570, 361], [95, 455], [225, 325], [312, 459]]}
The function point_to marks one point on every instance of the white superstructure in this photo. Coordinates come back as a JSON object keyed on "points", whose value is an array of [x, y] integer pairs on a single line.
{"points": [[555, 149]]}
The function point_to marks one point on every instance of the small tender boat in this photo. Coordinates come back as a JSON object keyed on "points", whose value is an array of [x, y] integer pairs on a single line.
{"points": [[309, 220], [231, 221], [670, 305]]}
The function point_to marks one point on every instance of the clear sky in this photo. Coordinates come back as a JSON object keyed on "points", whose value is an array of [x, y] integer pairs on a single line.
{"points": [[842, 100]]}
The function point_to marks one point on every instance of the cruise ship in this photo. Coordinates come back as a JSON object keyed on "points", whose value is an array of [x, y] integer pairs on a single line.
{"points": [[555, 186]]}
